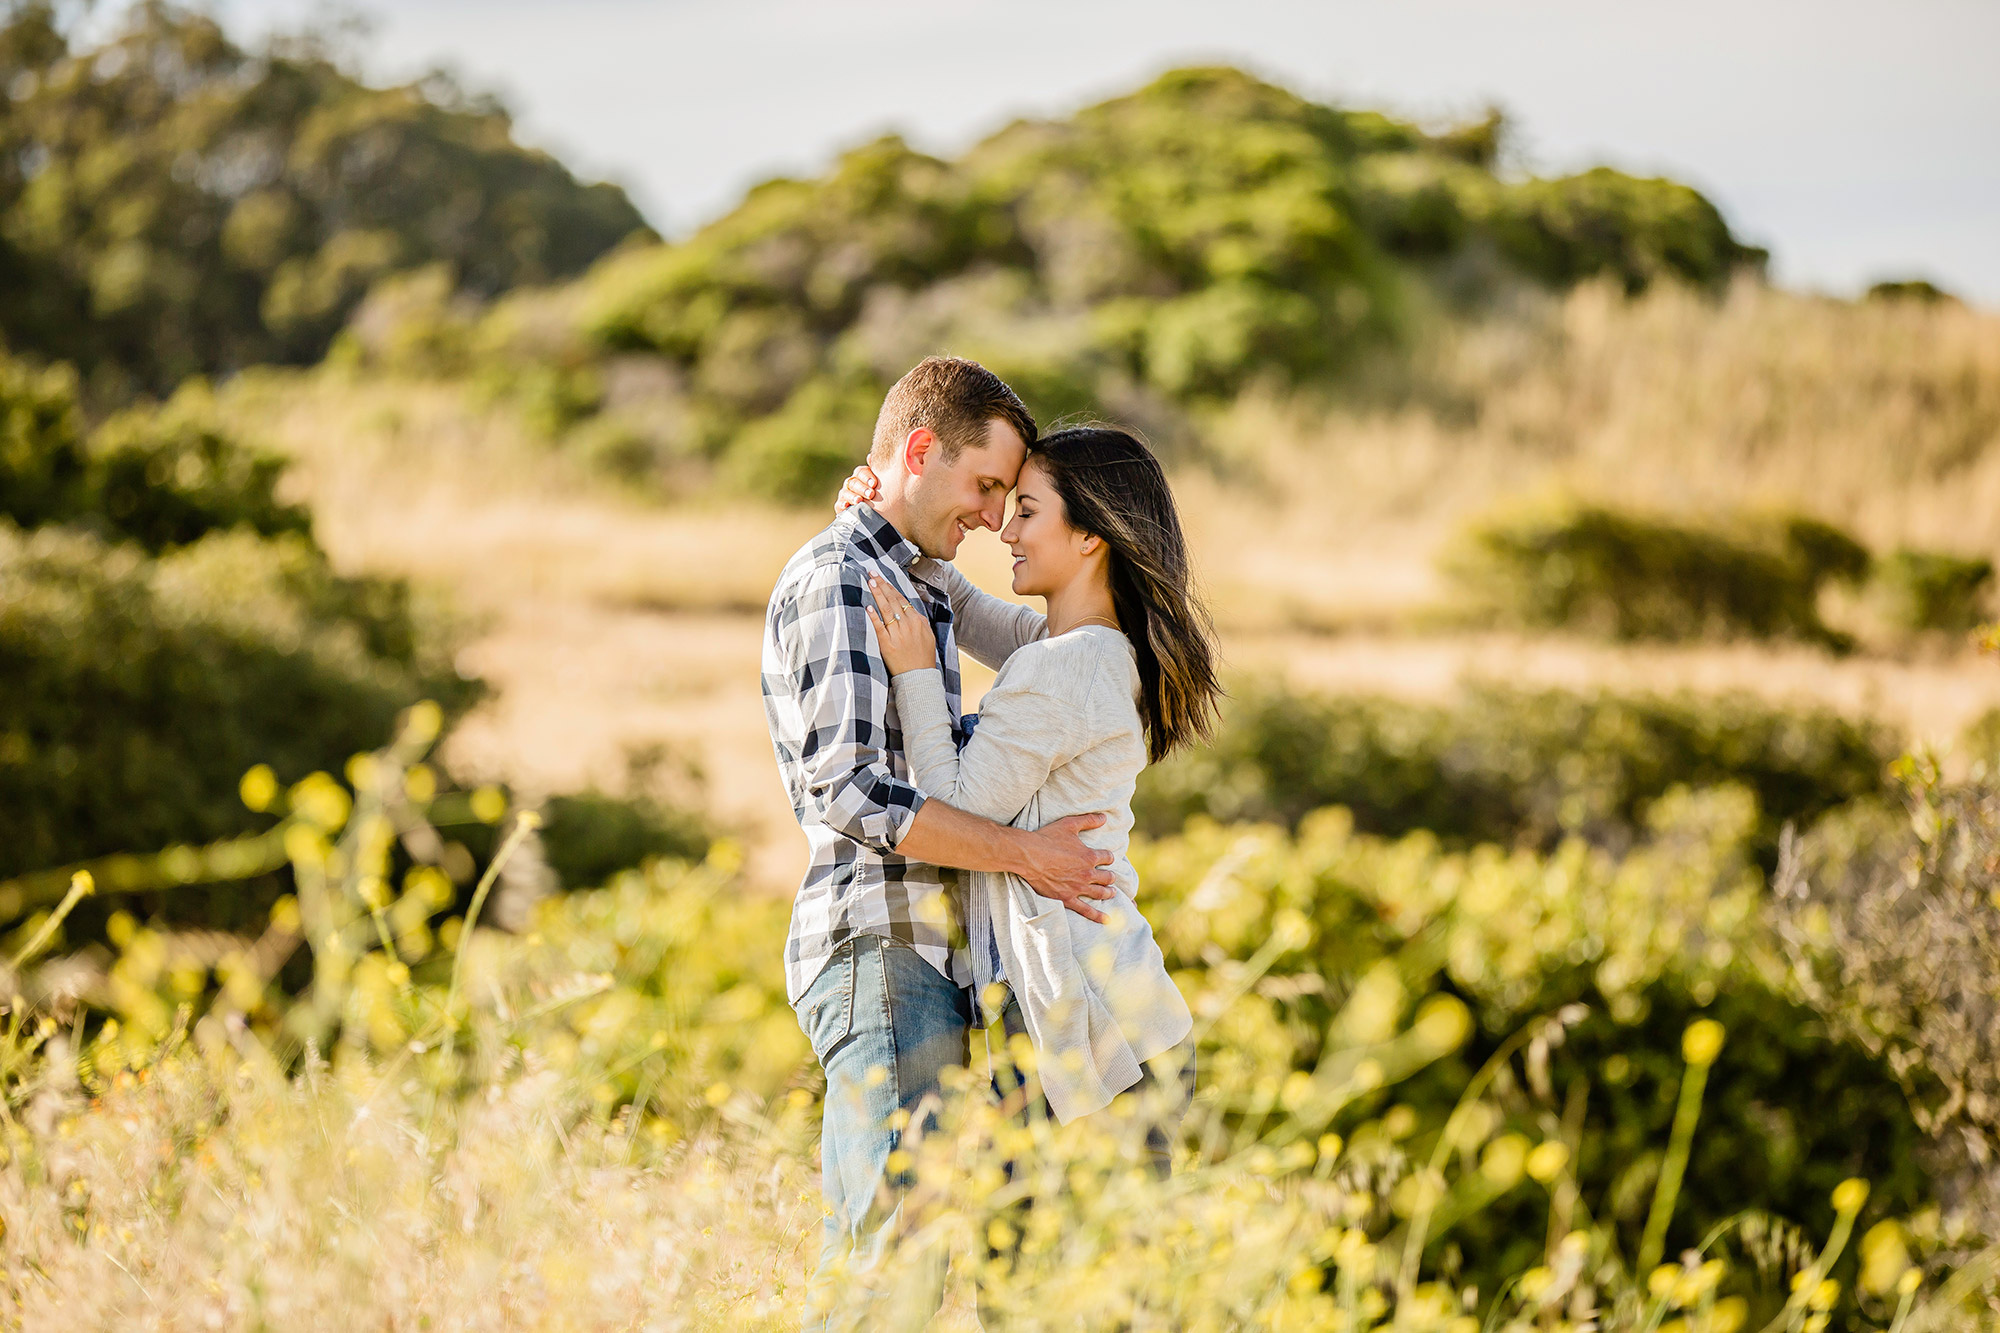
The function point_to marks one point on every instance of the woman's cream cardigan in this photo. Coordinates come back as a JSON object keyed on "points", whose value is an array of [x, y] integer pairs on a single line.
{"points": [[1059, 734]]}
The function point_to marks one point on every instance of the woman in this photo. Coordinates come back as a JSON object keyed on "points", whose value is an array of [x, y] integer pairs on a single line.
{"points": [[1126, 673]]}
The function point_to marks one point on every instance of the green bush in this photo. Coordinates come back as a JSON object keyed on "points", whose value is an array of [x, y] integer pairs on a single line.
{"points": [[1518, 767], [140, 691], [1628, 575], [1891, 921], [166, 623], [552, 399], [802, 451], [161, 477], [1203, 233], [587, 837], [1622, 950], [1929, 590], [1604, 221], [1909, 289]]}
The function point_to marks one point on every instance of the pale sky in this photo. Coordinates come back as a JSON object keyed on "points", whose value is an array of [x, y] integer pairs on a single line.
{"points": [[1857, 139]]}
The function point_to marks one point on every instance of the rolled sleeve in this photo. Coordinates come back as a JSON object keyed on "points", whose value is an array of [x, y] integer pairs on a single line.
{"points": [[844, 694]]}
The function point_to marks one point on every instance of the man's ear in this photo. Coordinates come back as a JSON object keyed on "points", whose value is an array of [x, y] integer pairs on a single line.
{"points": [[917, 448]]}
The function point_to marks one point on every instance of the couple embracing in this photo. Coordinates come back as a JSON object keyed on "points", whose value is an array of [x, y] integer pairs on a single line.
{"points": [[972, 872]]}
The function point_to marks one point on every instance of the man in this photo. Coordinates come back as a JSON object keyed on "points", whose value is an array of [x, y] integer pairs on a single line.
{"points": [[875, 962]]}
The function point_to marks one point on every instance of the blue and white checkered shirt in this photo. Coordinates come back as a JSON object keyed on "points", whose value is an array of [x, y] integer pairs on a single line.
{"points": [[839, 744]]}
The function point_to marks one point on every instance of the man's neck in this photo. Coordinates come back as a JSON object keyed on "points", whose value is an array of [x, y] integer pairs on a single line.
{"points": [[895, 510]]}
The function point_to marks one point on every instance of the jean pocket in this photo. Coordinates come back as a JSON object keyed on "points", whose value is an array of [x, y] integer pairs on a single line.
{"points": [[826, 1013]]}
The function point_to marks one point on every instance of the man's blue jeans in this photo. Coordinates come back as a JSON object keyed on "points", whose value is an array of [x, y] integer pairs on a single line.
{"points": [[884, 1024]]}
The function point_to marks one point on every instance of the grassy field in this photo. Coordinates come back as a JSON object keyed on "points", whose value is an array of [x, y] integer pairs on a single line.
{"points": [[1589, 903], [1444, 1088]]}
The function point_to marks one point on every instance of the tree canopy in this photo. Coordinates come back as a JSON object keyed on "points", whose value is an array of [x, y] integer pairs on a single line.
{"points": [[172, 204]]}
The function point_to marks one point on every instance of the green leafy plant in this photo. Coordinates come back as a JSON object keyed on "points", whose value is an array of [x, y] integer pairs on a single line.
{"points": [[1518, 767], [1627, 575], [1931, 590]]}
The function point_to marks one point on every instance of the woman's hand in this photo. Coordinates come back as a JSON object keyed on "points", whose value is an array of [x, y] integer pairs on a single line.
{"points": [[861, 484], [903, 631]]}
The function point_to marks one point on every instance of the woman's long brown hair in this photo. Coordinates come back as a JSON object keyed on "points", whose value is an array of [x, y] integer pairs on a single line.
{"points": [[1112, 487]]}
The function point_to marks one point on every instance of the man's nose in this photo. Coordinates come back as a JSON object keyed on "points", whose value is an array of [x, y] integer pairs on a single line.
{"points": [[991, 515]]}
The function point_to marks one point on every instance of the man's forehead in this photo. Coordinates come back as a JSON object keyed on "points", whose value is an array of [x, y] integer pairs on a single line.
{"points": [[1001, 455]]}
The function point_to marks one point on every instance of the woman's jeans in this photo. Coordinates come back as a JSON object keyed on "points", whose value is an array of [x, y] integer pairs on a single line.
{"points": [[884, 1024]]}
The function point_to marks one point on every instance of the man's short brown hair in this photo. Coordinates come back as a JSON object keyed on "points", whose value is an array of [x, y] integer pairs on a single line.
{"points": [[954, 398]]}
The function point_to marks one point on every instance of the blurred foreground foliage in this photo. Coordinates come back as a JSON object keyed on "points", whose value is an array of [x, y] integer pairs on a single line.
{"points": [[1148, 256], [1435, 1085], [1625, 574], [1514, 766], [172, 204]]}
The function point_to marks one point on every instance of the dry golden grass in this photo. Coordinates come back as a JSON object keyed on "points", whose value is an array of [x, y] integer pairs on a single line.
{"points": [[1882, 417]]}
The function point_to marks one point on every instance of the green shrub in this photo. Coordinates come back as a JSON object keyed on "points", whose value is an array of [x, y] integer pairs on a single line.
{"points": [[160, 477], [1891, 922], [1929, 590], [1519, 767], [1627, 575], [1203, 233], [166, 623], [1603, 221], [552, 399], [1623, 949], [615, 446], [140, 691], [1909, 289], [801, 452], [588, 837], [44, 469]]}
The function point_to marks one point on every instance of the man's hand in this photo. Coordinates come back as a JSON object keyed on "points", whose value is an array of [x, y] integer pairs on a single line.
{"points": [[1053, 860], [1062, 866]]}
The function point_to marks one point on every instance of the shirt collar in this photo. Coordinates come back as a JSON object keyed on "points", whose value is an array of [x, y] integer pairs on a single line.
{"points": [[877, 537]]}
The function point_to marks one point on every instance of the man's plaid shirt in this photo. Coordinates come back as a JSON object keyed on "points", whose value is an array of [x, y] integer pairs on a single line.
{"points": [[839, 743]]}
